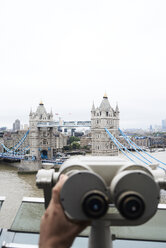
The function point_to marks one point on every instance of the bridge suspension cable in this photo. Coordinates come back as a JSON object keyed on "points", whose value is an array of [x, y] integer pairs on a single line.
{"points": [[125, 137], [14, 149], [22, 151], [130, 143], [113, 139], [20, 142], [6, 149], [118, 144]]}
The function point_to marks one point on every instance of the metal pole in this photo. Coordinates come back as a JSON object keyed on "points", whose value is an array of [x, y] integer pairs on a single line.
{"points": [[100, 235]]}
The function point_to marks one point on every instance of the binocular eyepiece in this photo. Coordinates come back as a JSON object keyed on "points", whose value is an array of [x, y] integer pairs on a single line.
{"points": [[131, 205], [95, 204]]}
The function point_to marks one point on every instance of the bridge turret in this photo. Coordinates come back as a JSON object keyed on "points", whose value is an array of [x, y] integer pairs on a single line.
{"points": [[30, 114], [117, 109], [93, 107], [42, 139], [93, 110], [117, 112], [51, 114], [103, 117]]}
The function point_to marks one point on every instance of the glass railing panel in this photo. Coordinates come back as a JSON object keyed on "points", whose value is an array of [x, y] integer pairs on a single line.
{"points": [[154, 229], [30, 212], [29, 215], [26, 238]]}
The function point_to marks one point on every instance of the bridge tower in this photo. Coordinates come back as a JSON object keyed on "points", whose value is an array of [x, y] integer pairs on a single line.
{"points": [[103, 117], [41, 134]]}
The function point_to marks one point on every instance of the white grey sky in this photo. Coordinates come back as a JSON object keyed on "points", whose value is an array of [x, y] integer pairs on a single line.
{"points": [[67, 53]]}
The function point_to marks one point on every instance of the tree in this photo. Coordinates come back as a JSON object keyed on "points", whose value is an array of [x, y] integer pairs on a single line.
{"points": [[72, 139], [75, 145]]}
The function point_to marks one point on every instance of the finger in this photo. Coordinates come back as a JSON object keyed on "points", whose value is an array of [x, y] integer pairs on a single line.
{"points": [[57, 188]]}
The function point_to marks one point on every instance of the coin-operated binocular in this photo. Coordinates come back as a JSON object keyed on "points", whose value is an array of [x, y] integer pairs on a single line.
{"points": [[96, 183]]}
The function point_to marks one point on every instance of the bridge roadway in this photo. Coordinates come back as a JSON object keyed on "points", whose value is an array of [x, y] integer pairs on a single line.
{"points": [[67, 124], [11, 156]]}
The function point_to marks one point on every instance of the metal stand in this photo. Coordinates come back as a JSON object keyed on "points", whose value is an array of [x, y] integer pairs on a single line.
{"points": [[100, 235]]}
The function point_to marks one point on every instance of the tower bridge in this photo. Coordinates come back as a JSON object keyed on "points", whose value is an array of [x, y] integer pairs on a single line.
{"points": [[43, 136]]}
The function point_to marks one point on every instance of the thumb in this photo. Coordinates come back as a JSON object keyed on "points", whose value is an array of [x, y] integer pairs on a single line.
{"points": [[57, 188]]}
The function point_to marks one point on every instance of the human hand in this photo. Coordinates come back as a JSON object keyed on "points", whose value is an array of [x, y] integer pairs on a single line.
{"points": [[56, 230]]}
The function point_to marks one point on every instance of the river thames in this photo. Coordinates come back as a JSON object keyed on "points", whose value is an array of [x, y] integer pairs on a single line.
{"points": [[15, 186]]}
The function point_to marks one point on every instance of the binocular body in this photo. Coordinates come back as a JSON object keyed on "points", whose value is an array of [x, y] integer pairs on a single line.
{"points": [[105, 188]]}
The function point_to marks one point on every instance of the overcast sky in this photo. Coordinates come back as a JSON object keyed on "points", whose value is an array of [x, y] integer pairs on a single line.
{"points": [[68, 53]]}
